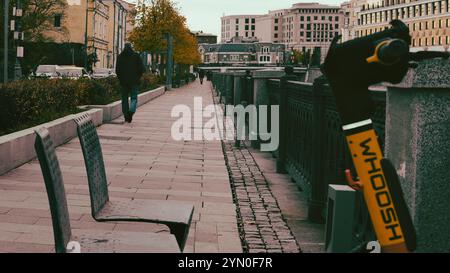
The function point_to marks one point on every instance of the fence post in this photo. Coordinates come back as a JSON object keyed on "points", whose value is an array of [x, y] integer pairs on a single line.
{"points": [[229, 88], [248, 88], [282, 150], [238, 87], [317, 199]]}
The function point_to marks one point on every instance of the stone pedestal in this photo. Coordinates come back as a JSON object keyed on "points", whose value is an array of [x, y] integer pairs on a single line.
{"points": [[312, 74], [418, 144], [238, 85], [261, 94]]}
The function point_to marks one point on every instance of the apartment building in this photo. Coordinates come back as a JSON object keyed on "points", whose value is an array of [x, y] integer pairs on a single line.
{"points": [[268, 27], [308, 26], [119, 27], [428, 20], [101, 25], [238, 26], [304, 26]]}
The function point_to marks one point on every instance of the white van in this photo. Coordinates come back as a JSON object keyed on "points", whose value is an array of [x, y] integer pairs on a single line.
{"points": [[46, 71], [72, 72]]}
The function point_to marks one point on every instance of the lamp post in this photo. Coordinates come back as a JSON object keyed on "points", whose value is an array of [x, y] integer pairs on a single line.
{"points": [[5, 40], [18, 37], [169, 61], [86, 36]]}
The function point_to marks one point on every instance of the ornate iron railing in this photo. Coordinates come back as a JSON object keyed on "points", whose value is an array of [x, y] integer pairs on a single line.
{"points": [[312, 146]]}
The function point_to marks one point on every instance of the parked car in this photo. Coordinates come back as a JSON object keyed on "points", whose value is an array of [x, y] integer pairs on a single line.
{"points": [[100, 73], [72, 72], [46, 71]]}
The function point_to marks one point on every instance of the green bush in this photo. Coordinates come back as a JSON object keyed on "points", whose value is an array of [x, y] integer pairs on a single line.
{"points": [[150, 81], [27, 103]]}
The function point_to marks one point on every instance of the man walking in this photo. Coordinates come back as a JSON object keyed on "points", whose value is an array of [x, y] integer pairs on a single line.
{"points": [[201, 75], [129, 70]]}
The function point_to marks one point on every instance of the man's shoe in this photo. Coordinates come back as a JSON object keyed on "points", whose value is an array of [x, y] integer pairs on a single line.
{"points": [[127, 117], [130, 117]]}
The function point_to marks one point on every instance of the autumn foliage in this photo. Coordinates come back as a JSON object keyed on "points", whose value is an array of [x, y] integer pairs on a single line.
{"points": [[156, 19]]}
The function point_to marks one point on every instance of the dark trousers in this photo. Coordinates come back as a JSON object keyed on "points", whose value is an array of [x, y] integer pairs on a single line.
{"points": [[129, 92]]}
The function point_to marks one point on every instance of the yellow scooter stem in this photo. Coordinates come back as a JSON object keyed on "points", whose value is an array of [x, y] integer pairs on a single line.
{"points": [[382, 191]]}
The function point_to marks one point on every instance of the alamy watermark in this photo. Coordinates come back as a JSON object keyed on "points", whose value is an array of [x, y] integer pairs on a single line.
{"points": [[210, 123]]}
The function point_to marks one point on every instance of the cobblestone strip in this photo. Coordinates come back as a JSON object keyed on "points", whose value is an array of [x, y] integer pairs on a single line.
{"points": [[261, 224]]}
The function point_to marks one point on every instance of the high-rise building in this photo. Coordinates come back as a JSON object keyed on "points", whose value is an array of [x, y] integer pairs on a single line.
{"points": [[310, 26], [428, 20], [305, 27], [238, 26]]}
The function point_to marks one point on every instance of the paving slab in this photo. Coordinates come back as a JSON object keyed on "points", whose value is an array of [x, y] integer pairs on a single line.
{"points": [[142, 162]]}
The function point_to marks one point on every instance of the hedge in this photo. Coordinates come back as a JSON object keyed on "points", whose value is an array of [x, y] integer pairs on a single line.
{"points": [[27, 103]]}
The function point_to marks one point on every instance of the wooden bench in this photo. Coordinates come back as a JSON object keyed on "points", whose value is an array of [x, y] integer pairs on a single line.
{"points": [[176, 215], [90, 240]]}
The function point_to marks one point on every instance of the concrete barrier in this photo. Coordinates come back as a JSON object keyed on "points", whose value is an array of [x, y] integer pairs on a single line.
{"points": [[114, 110], [17, 148], [417, 143]]}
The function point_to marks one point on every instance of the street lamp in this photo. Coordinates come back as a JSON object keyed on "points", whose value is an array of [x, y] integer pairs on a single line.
{"points": [[18, 37], [5, 40], [169, 68]]}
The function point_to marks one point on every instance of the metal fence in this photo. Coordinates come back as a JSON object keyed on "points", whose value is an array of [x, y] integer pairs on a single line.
{"points": [[313, 150]]}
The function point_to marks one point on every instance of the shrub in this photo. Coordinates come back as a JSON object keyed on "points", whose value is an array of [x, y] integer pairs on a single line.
{"points": [[149, 81], [23, 103], [27, 103]]}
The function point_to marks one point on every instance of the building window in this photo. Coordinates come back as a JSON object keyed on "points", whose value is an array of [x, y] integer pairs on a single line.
{"points": [[57, 22]]}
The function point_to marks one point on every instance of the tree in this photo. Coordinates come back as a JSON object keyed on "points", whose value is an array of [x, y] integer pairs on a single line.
{"points": [[158, 18], [298, 56]]}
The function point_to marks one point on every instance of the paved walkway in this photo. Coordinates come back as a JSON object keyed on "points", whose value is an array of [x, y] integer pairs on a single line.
{"points": [[142, 162]]}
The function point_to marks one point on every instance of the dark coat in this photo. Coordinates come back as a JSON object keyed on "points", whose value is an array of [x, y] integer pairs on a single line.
{"points": [[201, 74], [129, 68]]}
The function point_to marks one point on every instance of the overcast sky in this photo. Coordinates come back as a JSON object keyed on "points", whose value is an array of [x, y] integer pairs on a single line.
{"points": [[205, 14]]}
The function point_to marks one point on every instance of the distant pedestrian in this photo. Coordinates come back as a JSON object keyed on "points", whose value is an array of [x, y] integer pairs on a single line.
{"points": [[201, 75], [129, 70]]}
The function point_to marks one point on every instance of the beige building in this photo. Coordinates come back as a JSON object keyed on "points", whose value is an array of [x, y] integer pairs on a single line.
{"points": [[428, 20], [119, 27], [99, 24], [304, 26], [238, 26]]}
